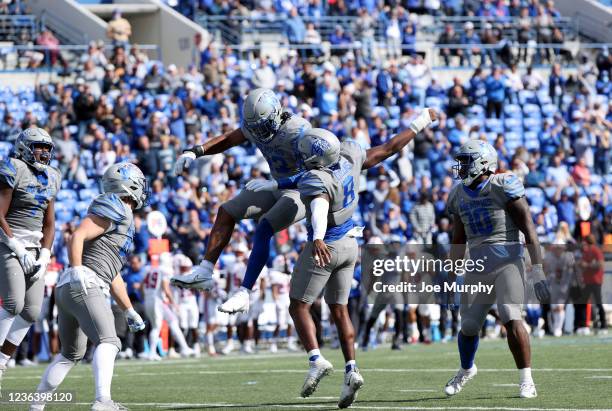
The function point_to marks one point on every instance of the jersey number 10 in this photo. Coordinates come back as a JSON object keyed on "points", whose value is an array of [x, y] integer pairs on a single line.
{"points": [[479, 221]]}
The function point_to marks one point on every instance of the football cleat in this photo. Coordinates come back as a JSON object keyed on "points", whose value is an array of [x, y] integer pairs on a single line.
{"points": [[528, 390], [318, 369], [237, 303], [107, 406], [352, 383], [154, 357], [199, 278], [229, 347], [459, 380]]}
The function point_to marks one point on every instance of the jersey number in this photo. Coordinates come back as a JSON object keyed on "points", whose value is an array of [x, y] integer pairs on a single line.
{"points": [[349, 191], [479, 221], [279, 163]]}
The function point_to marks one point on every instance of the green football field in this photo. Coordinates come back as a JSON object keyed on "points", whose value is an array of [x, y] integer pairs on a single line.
{"points": [[570, 373]]}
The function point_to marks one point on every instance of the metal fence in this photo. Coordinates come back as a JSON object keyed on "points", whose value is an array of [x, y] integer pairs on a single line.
{"points": [[12, 28]]}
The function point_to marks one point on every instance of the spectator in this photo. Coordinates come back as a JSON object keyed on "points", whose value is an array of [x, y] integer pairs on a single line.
{"points": [[295, 30], [422, 219], [556, 85], [449, 36], [592, 268], [119, 30], [313, 39], [470, 39], [51, 46], [419, 76], [496, 89], [339, 38]]}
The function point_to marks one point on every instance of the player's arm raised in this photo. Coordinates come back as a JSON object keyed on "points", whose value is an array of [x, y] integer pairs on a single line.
{"points": [[382, 152], [215, 145], [520, 214]]}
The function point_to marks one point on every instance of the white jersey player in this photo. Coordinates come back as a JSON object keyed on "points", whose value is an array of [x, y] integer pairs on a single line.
{"points": [[279, 279], [188, 307], [159, 304]]}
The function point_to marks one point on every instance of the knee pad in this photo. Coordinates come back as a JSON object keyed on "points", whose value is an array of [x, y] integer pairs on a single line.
{"points": [[469, 327], [31, 313]]}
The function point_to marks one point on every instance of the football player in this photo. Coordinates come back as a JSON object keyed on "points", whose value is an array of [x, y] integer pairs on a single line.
{"points": [[98, 250], [275, 133], [279, 278], [189, 310], [28, 186], [159, 305], [330, 189], [489, 212]]}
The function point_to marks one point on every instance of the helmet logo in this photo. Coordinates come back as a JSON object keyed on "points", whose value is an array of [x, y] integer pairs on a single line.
{"points": [[319, 147]]}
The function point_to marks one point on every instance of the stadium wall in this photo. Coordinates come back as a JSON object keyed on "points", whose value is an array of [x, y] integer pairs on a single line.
{"points": [[594, 19]]}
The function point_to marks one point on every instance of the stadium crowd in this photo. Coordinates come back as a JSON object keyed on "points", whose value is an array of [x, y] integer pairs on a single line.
{"points": [[552, 131]]}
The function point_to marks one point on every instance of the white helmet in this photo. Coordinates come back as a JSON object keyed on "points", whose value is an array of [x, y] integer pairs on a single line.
{"points": [[24, 147], [126, 180], [261, 114], [475, 158], [319, 148]]}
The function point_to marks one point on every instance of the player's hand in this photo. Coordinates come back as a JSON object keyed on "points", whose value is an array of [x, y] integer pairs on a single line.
{"points": [[134, 320], [183, 162], [423, 120], [81, 275], [42, 263], [261, 185], [542, 292], [321, 253], [26, 259]]}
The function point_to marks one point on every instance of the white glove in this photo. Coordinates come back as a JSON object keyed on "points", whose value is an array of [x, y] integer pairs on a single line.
{"points": [[422, 121], [26, 259], [83, 276], [183, 162], [261, 185], [42, 262], [134, 320]]}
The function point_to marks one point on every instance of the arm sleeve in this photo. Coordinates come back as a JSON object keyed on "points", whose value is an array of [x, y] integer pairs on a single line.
{"points": [[311, 185], [319, 209], [513, 188], [290, 182], [108, 206], [8, 173]]}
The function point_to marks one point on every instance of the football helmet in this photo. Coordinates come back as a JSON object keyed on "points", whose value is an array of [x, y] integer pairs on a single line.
{"points": [[318, 148], [261, 114], [25, 146], [126, 180], [475, 158]]}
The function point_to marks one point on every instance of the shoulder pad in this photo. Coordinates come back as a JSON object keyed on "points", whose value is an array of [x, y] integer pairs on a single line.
{"points": [[8, 172], [311, 184], [109, 206]]}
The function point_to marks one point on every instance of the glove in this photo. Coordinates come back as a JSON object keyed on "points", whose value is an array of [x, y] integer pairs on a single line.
{"points": [[183, 162], [134, 320], [422, 121], [26, 259], [42, 262], [261, 185], [542, 292], [81, 275]]}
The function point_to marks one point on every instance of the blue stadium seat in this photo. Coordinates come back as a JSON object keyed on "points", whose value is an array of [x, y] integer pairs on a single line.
{"points": [[527, 97], [494, 124], [513, 124], [549, 110], [5, 148], [513, 110], [536, 198], [67, 195], [88, 194], [476, 111], [393, 123], [531, 110], [81, 207], [395, 112], [595, 189], [513, 145], [433, 101], [63, 213], [532, 124], [543, 97]]}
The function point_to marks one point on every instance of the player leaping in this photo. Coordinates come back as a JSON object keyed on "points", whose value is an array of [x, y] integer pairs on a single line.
{"points": [[330, 187], [489, 211], [275, 133]]}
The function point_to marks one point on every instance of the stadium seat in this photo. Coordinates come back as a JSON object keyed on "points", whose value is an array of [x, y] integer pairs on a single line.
{"points": [[531, 110], [433, 101], [543, 97], [536, 198], [67, 195], [513, 110], [549, 110], [513, 124], [394, 112], [494, 125], [527, 97], [88, 194], [476, 111], [5, 148], [532, 124], [81, 208]]}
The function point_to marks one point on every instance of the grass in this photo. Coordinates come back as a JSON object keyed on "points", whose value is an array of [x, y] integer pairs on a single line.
{"points": [[570, 373]]}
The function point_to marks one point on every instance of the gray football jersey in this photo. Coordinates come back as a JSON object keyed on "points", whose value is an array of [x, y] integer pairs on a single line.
{"points": [[106, 254], [32, 192], [483, 211], [280, 152], [341, 184]]}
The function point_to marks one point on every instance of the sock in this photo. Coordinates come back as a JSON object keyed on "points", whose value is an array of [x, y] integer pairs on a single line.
{"points": [[350, 366], [314, 355], [467, 349], [558, 318], [414, 331], [178, 336], [153, 340], [6, 320], [4, 358], [210, 339], [19, 329], [103, 366], [525, 374], [260, 253], [53, 377]]}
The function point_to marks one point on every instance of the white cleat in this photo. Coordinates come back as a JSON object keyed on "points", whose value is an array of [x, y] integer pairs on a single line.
{"points": [[154, 357], [188, 352], [229, 347], [292, 346], [199, 278], [237, 303], [528, 390], [107, 406], [318, 369], [459, 380], [273, 348], [352, 383]]}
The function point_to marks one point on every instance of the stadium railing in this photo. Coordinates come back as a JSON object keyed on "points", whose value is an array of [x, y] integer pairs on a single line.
{"points": [[11, 27], [64, 58]]}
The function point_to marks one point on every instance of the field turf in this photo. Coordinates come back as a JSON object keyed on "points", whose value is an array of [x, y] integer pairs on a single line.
{"points": [[570, 373]]}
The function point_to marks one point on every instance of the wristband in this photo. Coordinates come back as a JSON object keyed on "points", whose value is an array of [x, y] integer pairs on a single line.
{"points": [[197, 150]]}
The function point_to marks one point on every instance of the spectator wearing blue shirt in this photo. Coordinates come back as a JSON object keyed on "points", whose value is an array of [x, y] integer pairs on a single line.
{"points": [[566, 209], [408, 40], [295, 30], [556, 85], [468, 38], [133, 277], [496, 92]]}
